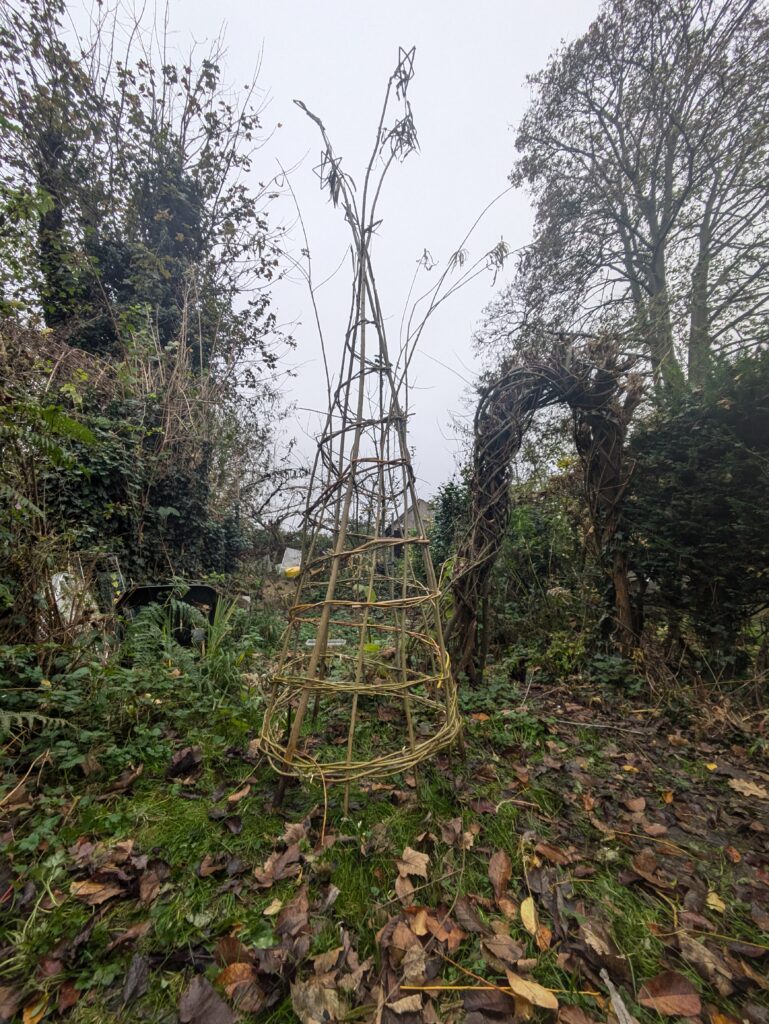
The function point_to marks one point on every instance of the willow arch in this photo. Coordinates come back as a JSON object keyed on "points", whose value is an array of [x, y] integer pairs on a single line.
{"points": [[602, 388]]}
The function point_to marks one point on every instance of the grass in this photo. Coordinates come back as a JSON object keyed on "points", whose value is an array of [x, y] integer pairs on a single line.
{"points": [[170, 820]]}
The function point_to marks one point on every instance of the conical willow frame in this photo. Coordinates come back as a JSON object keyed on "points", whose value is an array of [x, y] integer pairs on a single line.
{"points": [[363, 686]]}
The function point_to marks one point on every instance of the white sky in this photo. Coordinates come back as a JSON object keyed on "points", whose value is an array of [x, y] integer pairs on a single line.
{"points": [[467, 96]]}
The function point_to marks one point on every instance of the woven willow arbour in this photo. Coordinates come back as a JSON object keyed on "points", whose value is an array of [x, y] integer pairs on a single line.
{"points": [[363, 687]]}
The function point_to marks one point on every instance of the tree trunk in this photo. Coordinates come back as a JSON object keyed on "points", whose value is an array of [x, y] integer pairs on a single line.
{"points": [[627, 639]]}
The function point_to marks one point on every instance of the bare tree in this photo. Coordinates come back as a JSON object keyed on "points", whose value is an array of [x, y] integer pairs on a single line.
{"points": [[646, 150]]}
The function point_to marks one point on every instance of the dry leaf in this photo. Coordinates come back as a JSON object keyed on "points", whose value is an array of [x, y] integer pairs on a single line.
{"points": [[748, 788], [411, 862], [235, 798], [529, 916], [635, 804], [136, 931], [94, 893], [552, 853], [313, 1003], [670, 994], [35, 1010], [404, 890], [533, 993], [508, 907], [468, 917], [654, 828], [574, 1015], [714, 901], [709, 965], [500, 872], [501, 951], [10, 1000], [408, 1004], [233, 975], [621, 1012], [200, 1004], [151, 880], [278, 866]]}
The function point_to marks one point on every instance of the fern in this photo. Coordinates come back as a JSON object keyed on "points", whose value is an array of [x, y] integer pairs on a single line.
{"points": [[11, 721]]}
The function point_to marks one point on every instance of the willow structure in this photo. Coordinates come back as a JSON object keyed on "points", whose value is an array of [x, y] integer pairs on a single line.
{"points": [[602, 388], [364, 686]]}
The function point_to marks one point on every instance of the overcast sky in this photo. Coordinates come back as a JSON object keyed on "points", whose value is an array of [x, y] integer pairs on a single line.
{"points": [[468, 94]]}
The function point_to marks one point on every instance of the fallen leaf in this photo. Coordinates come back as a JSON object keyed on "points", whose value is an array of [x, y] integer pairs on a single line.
{"points": [[230, 950], [636, 803], [125, 780], [714, 901], [293, 917], [760, 917], [294, 833], [670, 994], [655, 828], [501, 951], [10, 1000], [273, 908], [748, 788], [645, 865], [469, 918], [411, 862], [667, 796], [508, 907], [240, 984], [529, 916], [136, 931], [151, 880], [67, 997], [543, 937], [185, 763], [137, 979], [35, 1010], [314, 1003], [760, 979], [574, 1015], [404, 890], [733, 854], [407, 1004], [483, 1001], [552, 853], [241, 794], [533, 993], [94, 893], [278, 866], [200, 1004], [709, 965], [212, 864], [621, 1012], [453, 834], [500, 872], [325, 962]]}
